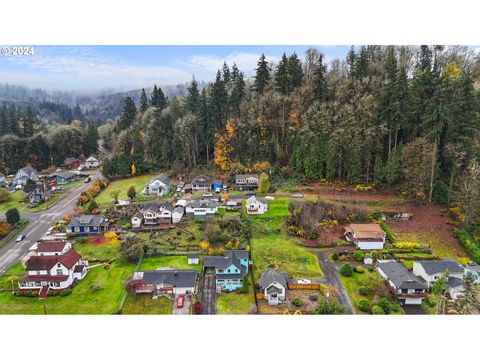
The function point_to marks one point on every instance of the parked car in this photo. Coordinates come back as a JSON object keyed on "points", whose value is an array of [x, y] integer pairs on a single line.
{"points": [[304, 281], [249, 193], [297, 195], [180, 301], [269, 198], [225, 188], [87, 180], [20, 238], [207, 195], [49, 231]]}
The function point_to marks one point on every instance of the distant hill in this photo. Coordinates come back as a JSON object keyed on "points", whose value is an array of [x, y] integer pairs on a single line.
{"points": [[100, 106]]}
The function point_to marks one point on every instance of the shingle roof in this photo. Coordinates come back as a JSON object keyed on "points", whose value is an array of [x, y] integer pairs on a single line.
{"points": [[201, 203], [440, 266], [177, 278], [65, 174], [271, 276], [453, 282], [245, 176], [69, 259], [366, 231], [399, 276], [157, 206], [89, 220], [223, 262], [253, 199], [241, 254], [201, 179], [51, 246], [163, 178]]}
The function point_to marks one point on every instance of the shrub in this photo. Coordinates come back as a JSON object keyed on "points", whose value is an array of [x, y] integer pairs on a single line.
{"points": [[65, 292], [388, 233], [364, 305], [431, 299], [359, 255], [297, 302], [470, 245], [27, 293], [197, 308], [4, 195], [385, 305], [13, 216], [4, 228], [329, 307], [359, 269], [377, 310], [335, 257], [363, 290], [346, 270]]}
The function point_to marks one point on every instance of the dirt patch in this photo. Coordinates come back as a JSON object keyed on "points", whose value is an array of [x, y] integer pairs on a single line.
{"points": [[431, 226], [98, 240], [308, 306]]}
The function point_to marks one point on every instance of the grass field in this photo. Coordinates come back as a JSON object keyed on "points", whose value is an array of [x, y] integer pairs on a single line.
{"points": [[17, 201], [104, 198], [179, 262], [100, 292], [235, 304], [144, 304]]}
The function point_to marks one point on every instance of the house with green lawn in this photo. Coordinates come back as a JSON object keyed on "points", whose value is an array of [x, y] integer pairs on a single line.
{"points": [[230, 269]]}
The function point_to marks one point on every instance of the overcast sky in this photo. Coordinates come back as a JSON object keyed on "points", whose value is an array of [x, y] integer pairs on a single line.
{"points": [[92, 68]]}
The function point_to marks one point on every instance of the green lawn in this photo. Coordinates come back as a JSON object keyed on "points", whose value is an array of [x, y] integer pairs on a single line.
{"points": [[235, 304], [100, 292], [276, 208], [144, 304], [104, 198], [179, 262], [17, 201], [71, 185], [352, 284]]}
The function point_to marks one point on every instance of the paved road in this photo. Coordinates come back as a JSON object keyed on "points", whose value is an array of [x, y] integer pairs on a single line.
{"points": [[331, 277], [39, 224], [209, 293]]}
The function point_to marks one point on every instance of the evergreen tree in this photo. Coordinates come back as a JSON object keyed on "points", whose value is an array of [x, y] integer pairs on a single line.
{"points": [[4, 125], [319, 80], [90, 141], [143, 101], [262, 76], [193, 97], [128, 115], [28, 123], [226, 73], [295, 71], [238, 91], [13, 127], [282, 80], [158, 98], [469, 303], [218, 102]]}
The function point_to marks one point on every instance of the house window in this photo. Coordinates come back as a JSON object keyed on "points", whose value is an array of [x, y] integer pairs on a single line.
{"points": [[59, 272], [58, 265], [77, 229]]}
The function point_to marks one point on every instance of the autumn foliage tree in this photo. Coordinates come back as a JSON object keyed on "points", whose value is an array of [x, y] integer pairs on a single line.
{"points": [[223, 146]]}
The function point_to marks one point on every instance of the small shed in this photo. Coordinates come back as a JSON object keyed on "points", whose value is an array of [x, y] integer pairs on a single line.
{"points": [[193, 259]]}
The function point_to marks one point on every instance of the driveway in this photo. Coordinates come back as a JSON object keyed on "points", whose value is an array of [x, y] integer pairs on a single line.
{"points": [[185, 310], [331, 277], [39, 224], [209, 292]]}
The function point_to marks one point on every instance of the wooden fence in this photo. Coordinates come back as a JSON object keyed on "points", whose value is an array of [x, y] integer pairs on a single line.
{"points": [[260, 296], [304, 287]]}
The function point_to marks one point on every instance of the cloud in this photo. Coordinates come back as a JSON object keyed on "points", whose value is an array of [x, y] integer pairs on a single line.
{"points": [[246, 62], [68, 68]]}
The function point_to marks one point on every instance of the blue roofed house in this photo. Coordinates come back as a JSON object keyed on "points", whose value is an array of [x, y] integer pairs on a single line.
{"points": [[64, 177], [88, 225], [230, 269]]}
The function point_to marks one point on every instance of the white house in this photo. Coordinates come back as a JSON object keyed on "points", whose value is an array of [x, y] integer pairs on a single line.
{"points": [[274, 285], [201, 183], [165, 281], [45, 272], [246, 181], [474, 271], [256, 206], [365, 236], [405, 286], [201, 207], [153, 214], [157, 186], [92, 162], [431, 271], [24, 174]]}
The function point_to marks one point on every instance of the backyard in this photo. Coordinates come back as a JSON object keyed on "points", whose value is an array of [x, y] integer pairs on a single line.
{"points": [[179, 262], [145, 305], [233, 303], [105, 198]]}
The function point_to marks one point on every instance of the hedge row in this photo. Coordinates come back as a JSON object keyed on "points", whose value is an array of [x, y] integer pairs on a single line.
{"points": [[385, 228], [469, 244]]}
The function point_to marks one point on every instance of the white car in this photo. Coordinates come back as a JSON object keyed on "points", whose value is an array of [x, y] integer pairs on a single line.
{"points": [[269, 198], [304, 281], [297, 195], [207, 195], [20, 238], [49, 231]]}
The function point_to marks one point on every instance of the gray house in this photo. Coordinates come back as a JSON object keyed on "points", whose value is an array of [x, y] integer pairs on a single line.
{"points": [[24, 174], [37, 193], [3, 180], [158, 186], [431, 271], [246, 181], [88, 225], [166, 281], [274, 285], [201, 183], [407, 288]]}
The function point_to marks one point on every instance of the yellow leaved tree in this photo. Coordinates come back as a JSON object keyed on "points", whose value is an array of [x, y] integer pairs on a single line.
{"points": [[134, 170], [223, 146]]}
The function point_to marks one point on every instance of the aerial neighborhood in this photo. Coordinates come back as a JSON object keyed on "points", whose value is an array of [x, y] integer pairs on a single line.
{"points": [[306, 189]]}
